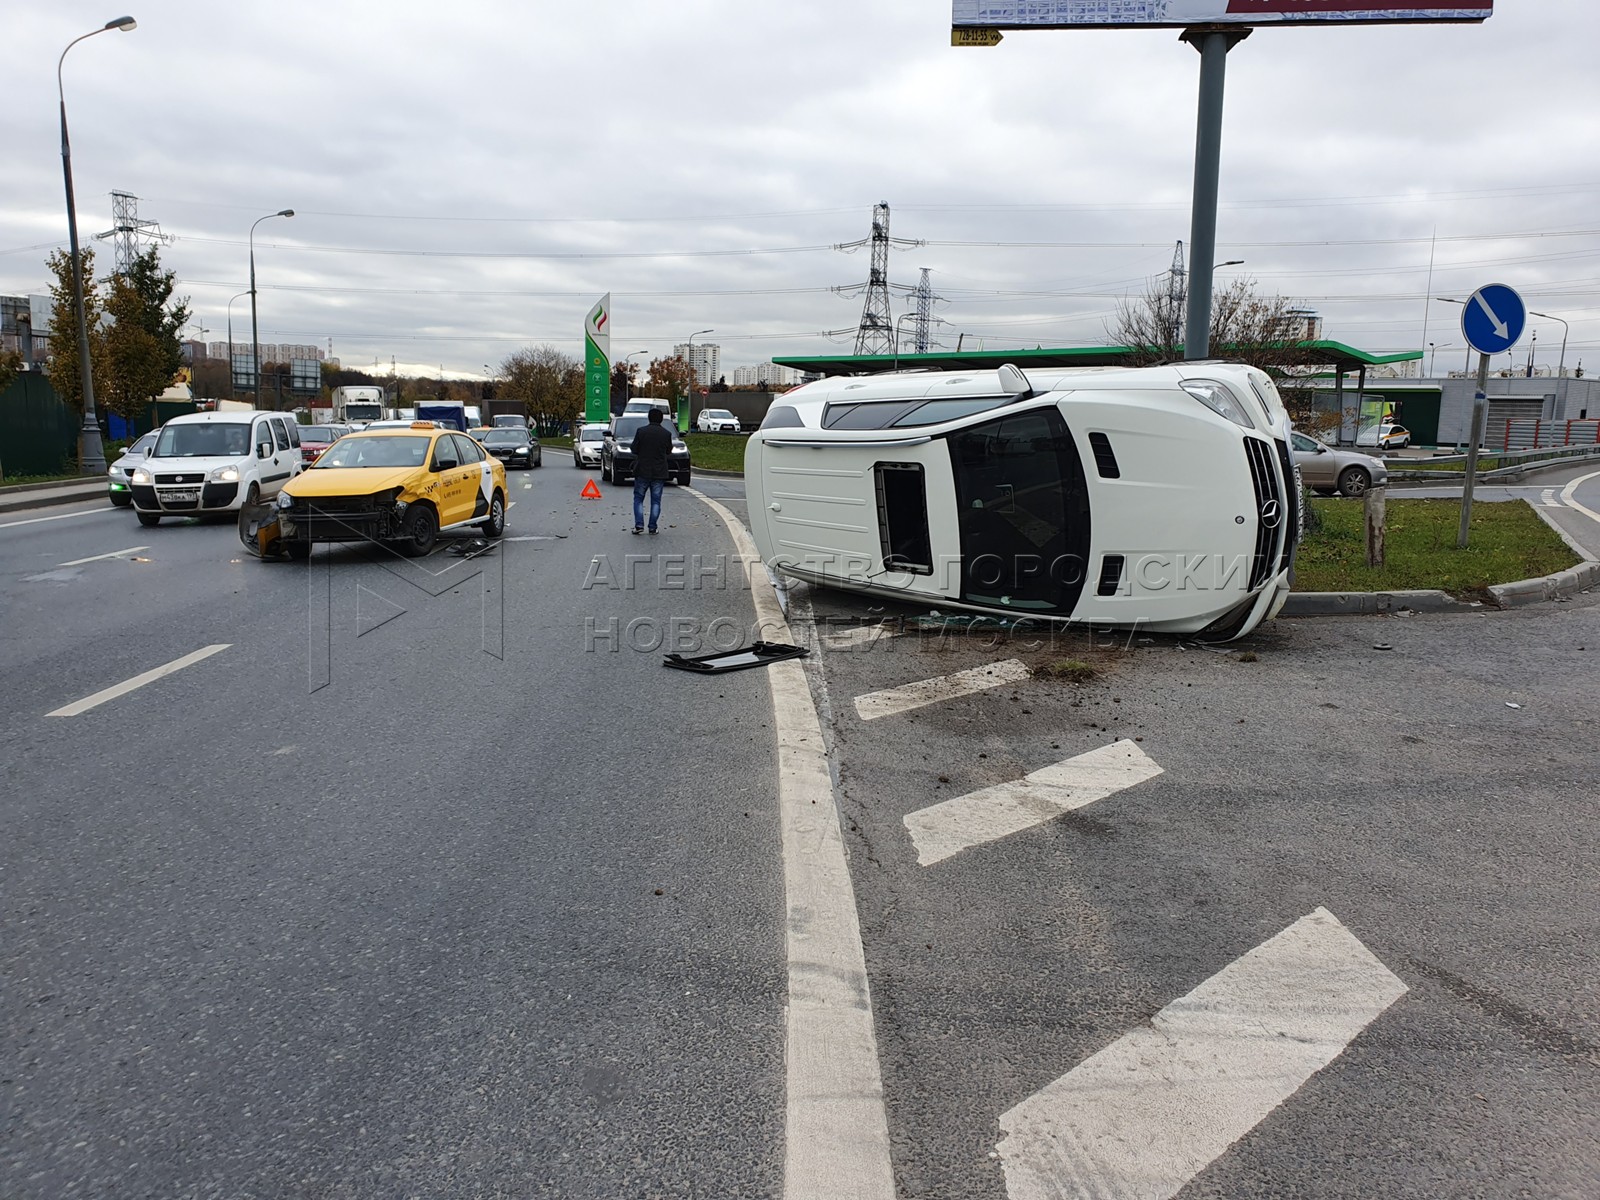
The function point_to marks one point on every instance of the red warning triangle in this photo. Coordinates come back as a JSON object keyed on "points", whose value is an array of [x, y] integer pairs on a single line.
{"points": [[591, 491]]}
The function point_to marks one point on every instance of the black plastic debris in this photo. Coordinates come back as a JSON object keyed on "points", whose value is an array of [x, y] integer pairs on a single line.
{"points": [[757, 654], [470, 548]]}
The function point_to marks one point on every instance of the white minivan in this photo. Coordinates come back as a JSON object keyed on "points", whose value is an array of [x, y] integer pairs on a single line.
{"points": [[214, 462]]}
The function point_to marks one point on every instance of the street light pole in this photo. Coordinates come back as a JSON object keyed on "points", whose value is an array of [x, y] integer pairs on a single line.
{"points": [[1562, 366], [692, 374], [231, 299], [91, 450], [255, 333], [627, 375]]}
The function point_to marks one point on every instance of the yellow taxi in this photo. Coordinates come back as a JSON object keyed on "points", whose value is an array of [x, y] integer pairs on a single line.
{"points": [[399, 486]]}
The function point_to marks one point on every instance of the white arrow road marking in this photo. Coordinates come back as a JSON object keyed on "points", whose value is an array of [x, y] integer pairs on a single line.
{"points": [[78, 562], [1548, 499], [944, 687], [1500, 329], [1155, 1108], [1006, 808], [138, 681]]}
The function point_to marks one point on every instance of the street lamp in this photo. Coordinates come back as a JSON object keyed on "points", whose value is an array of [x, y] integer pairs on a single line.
{"points": [[1433, 354], [897, 321], [255, 334], [693, 376], [1562, 366], [91, 451], [627, 374], [231, 299], [1232, 262]]}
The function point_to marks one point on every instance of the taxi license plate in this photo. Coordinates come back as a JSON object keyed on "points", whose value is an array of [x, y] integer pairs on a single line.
{"points": [[180, 497]]}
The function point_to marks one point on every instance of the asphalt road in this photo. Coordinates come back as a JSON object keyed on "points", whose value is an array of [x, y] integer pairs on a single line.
{"points": [[356, 908], [376, 912]]}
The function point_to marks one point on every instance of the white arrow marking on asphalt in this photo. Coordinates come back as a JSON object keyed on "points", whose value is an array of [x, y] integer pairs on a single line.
{"points": [[78, 562], [1500, 329], [1152, 1110], [944, 687], [1043, 795], [138, 681]]}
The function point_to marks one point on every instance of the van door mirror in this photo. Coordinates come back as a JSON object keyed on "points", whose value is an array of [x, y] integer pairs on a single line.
{"points": [[263, 449]]}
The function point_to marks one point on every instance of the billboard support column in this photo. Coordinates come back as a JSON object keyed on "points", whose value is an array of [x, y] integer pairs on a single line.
{"points": [[1213, 44], [597, 362]]}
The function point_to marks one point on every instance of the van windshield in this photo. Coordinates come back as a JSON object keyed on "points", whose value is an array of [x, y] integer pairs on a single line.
{"points": [[211, 439]]}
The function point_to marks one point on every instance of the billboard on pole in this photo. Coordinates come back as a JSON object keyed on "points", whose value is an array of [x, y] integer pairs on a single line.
{"points": [[597, 361], [1115, 14]]}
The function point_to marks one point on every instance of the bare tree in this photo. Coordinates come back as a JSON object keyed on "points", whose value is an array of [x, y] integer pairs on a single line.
{"points": [[547, 380], [1246, 327]]}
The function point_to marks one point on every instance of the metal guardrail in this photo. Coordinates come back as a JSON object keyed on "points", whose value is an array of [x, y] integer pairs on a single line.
{"points": [[1524, 460]]}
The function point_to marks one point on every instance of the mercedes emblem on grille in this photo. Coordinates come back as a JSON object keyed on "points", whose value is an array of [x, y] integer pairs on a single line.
{"points": [[1271, 514]]}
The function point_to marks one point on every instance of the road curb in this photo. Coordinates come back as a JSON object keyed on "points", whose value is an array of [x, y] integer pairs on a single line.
{"points": [[1340, 604], [1549, 587], [41, 495]]}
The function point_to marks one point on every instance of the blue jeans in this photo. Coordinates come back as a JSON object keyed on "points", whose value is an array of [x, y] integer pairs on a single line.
{"points": [[640, 487]]}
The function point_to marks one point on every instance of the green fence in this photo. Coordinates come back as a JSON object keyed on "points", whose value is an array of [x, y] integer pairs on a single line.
{"points": [[38, 433]]}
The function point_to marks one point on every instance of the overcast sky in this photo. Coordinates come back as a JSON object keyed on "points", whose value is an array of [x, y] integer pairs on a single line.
{"points": [[469, 178]]}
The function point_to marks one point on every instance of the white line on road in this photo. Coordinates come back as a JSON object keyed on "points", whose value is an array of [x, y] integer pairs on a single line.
{"points": [[836, 1133], [78, 562], [944, 687], [1155, 1108], [58, 517], [1566, 495], [138, 681], [995, 812]]}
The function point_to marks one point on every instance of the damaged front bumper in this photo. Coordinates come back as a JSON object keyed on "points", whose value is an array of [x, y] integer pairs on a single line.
{"points": [[271, 529]]}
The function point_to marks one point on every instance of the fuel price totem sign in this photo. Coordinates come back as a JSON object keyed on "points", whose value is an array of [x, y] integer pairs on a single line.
{"points": [[597, 361]]}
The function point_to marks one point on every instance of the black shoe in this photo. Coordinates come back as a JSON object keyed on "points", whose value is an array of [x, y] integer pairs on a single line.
{"points": [[638, 528], [653, 532]]}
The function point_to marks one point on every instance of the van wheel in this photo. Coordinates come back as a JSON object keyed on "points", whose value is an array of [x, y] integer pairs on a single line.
{"points": [[495, 523], [253, 496], [420, 531], [149, 519]]}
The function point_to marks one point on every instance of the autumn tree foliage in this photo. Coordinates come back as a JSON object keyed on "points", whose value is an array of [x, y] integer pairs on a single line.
{"points": [[63, 368]]}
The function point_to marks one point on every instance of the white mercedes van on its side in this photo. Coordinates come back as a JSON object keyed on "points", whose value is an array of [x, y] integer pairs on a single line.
{"points": [[214, 463]]}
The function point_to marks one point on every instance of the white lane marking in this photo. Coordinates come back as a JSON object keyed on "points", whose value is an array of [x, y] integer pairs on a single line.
{"points": [[943, 687], [138, 681], [990, 813], [836, 1133], [78, 562], [1567, 498], [848, 639], [1548, 499], [1155, 1108], [510, 506], [58, 517]]}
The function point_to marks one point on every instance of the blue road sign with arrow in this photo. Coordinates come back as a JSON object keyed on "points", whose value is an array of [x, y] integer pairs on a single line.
{"points": [[1493, 319]]}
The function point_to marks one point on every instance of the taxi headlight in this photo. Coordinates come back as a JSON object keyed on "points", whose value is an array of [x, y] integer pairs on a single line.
{"points": [[285, 500], [225, 475], [140, 475]]}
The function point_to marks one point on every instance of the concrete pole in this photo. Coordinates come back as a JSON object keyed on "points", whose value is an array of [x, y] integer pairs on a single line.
{"points": [[1213, 45]]}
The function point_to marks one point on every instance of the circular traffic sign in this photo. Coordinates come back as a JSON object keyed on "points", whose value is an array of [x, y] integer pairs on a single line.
{"points": [[1493, 319]]}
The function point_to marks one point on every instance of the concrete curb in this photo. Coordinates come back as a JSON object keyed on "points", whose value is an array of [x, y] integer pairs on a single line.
{"points": [[1550, 587], [40, 495], [1341, 604]]}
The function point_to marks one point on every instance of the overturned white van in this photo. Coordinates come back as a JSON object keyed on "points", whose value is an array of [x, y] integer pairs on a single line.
{"points": [[1163, 498]]}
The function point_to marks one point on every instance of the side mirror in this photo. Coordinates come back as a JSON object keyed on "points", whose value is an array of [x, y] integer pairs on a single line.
{"points": [[263, 449]]}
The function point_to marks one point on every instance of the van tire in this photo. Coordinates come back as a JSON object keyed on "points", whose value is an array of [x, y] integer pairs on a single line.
{"points": [[419, 532], [148, 519], [494, 524], [253, 496]]}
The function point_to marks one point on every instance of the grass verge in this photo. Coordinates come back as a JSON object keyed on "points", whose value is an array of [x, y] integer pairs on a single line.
{"points": [[1507, 541], [717, 451]]}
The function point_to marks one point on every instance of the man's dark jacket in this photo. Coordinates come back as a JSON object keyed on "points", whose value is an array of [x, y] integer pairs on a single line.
{"points": [[652, 445]]}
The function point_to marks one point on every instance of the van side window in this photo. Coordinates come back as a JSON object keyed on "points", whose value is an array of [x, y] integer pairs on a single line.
{"points": [[903, 518], [279, 433], [263, 432]]}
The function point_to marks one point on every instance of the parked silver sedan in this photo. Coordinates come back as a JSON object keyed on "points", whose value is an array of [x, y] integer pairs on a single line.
{"points": [[1326, 470]]}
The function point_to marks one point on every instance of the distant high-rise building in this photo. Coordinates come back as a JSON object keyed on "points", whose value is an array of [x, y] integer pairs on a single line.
{"points": [[743, 377], [704, 358]]}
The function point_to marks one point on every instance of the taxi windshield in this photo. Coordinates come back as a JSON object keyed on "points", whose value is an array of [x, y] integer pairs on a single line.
{"points": [[385, 451]]}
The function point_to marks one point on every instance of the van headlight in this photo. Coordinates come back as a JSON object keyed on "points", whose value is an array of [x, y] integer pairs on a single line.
{"points": [[224, 475], [1219, 399], [140, 475]]}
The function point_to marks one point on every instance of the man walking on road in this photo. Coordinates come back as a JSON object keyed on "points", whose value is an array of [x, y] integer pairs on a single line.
{"points": [[652, 447]]}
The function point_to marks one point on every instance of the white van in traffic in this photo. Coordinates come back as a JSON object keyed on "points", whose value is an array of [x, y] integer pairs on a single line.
{"points": [[1163, 498], [214, 462]]}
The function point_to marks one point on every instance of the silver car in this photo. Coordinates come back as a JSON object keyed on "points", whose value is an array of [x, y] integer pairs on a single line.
{"points": [[1326, 470], [117, 474]]}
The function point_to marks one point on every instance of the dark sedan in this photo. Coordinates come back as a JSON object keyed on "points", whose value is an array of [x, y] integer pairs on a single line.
{"points": [[514, 447], [616, 452]]}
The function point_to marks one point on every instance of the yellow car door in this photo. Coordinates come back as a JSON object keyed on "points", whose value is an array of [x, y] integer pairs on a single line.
{"points": [[446, 467]]}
